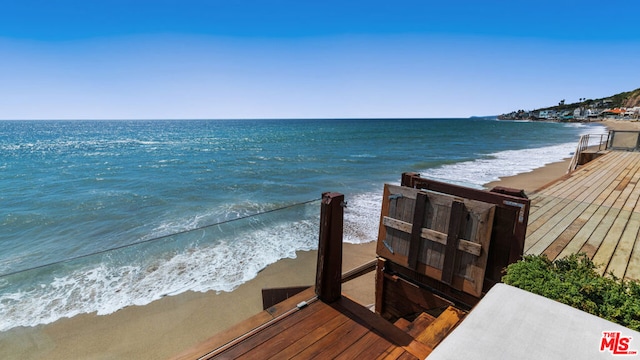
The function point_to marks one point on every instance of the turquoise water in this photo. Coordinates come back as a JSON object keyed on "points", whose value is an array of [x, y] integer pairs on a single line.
{"points": [[73, 188]]}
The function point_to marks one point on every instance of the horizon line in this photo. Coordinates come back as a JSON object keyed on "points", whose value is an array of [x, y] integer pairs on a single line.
{"points": [[266, 118]]}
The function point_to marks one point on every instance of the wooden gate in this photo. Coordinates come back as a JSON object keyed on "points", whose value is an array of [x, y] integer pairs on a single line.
{"points": [[441, 236]]}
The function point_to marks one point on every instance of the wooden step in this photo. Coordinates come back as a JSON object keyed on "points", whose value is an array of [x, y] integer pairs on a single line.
{"points": [[416, 326], [383, 327], [439, 328]]}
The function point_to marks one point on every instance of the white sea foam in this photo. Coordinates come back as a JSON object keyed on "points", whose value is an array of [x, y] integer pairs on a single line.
{"points": [[361, 218], [505, 163], [105, 288], [223, 265]]}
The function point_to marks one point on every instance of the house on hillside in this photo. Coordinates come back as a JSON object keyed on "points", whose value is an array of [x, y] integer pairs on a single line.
{"points": [[548, 114], [613, 113], [632, 113], [578, 113], [566, 115], [592, 113]]}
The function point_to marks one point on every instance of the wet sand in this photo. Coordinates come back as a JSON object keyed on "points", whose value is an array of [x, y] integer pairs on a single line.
{"points": [[170, 325]]}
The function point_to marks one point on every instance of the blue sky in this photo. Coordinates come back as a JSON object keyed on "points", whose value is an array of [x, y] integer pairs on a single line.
{"points": [[169, 59]]}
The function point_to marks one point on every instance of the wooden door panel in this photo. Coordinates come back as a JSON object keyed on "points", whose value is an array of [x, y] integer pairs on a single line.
{"points": [[442, 236]]}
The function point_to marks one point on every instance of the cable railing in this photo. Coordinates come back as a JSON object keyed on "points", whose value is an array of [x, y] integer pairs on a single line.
{"points": [[215, 257], [161, 237]]}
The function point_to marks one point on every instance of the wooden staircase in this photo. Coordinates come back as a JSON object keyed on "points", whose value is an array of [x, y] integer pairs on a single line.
{"points": [[427, 329]]}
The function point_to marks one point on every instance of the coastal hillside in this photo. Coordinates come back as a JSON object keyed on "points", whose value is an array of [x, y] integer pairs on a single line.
{"points": [[632, 99], [625, 104]]}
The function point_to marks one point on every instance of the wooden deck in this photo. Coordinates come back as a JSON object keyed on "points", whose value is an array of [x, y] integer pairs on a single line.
{"points": [[340, 330], [594, 210]]}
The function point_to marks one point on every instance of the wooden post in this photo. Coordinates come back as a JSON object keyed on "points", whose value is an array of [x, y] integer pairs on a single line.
{"points": [[379, 302], [408, 179], [329, 267]]}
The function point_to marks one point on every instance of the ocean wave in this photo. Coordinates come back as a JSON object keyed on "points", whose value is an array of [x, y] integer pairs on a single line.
{"points": [[136, 277], [492, 167], [146, 272], [361, 217]]}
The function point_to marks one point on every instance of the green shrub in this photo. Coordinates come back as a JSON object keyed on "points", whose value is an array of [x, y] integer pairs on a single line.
{"points": [[574, 281]]}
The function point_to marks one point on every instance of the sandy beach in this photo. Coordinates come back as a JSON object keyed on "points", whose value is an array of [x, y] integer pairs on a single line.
{"points": [[170, 325]]}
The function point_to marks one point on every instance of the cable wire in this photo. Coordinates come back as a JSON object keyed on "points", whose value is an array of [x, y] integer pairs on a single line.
{"points": [[157, 238]]}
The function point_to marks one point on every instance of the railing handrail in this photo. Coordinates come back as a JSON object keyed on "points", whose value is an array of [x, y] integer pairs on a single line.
{"points": [[584, 144]]}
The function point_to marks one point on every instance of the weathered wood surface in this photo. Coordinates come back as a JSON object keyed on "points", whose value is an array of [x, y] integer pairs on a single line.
{"points": [[595, 210], [340, 330], [439, 328], [442, 236]]}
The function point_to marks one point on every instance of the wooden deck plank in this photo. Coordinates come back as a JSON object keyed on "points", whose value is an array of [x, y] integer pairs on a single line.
{"points": [[538, 241], [309, 338], [565, 183], [332, 344], [369, 346], [246, 326], [600, 232], [629, 195], [548, 239], [574, 236], [586, 194], [612, 198], [590, 220], [623, 263], [273, 339], [605, 252], [587, 191], [393, 353], [632, 200], [593, 233], [593, 210], [626, 188], [407, 356], [586, 177], [610, 242], [547, 213], [621, 260], [591, 191], [566, 243], [633, 268]]}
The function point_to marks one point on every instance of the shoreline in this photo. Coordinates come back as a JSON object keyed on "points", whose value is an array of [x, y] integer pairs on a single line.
{"points": [[172, 324], [542, 176]]}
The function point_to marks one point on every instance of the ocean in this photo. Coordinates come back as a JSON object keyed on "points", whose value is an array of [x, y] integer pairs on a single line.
{"points": [[100, 215]]}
